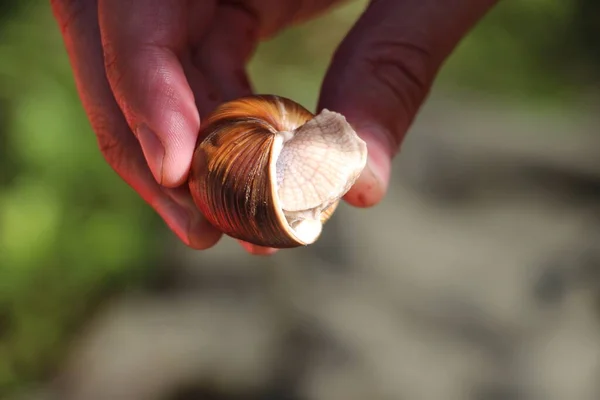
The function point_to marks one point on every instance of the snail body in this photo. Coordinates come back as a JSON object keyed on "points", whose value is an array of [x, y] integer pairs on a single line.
{"points": [[269, 172]]}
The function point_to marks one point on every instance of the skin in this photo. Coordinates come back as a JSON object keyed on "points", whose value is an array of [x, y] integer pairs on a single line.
{"points": [[148, 71]]}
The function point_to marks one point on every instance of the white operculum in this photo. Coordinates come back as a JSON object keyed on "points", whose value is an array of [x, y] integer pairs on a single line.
{"points": [[313, 168]]}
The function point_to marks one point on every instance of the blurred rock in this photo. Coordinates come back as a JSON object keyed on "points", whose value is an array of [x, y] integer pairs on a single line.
{"points": [[476, 278]]}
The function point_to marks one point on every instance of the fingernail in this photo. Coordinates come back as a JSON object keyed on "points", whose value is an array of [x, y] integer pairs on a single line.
{"points": [[176, 218], [378, 172], [371, 186], [154, 151], [257, 250], [378, 161], [201, 234]]}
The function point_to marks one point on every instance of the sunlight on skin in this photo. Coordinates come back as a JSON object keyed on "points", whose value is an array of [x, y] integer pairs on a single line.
{"points": [[148, 71]]}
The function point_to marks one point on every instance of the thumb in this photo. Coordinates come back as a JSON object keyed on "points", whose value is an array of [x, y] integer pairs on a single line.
{"points": [[382, 73]]}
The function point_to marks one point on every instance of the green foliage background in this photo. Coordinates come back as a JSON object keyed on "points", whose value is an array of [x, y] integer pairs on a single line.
{"points": [[71, 231]]}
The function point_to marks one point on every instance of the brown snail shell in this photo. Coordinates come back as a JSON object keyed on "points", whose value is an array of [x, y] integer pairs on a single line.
{"points": [[269, 172]]}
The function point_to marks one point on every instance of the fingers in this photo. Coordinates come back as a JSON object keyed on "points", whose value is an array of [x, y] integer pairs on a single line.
{"points": [[223, 52], [274, 15], [257, 250], [382, 72], [79, 24], [222, 55], [143, 41]]}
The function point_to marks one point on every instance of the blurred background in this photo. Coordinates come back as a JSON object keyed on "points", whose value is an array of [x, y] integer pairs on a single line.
{"points": [[477, 277]]}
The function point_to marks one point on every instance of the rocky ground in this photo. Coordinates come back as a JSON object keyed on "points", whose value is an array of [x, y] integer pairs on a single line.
{"points": [[476, 279]]}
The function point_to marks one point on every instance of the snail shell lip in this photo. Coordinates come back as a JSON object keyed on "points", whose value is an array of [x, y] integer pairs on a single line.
{"points": [[271, 173], [314, 167]]}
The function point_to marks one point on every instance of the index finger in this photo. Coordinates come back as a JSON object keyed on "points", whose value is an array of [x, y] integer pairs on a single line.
{"points": [[144, 42], [78, 21]]}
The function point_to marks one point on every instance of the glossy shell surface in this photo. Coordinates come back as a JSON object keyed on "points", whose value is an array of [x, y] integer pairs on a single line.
{"points": [[267, 171]]}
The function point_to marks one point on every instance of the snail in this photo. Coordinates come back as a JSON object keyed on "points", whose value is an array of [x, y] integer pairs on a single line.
{"points": [[267, 171]]}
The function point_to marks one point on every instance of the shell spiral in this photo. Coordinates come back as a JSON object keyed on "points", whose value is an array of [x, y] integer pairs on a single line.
{"points": [[235, 174]]}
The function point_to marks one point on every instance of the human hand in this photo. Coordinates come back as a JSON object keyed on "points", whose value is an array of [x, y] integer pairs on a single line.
{"points": [[148, 70]]}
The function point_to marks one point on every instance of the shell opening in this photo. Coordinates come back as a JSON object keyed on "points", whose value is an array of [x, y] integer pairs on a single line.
{"points": [[314, 166]]}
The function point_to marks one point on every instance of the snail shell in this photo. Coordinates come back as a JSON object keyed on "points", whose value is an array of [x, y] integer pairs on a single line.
{"points": [[269, 172]]}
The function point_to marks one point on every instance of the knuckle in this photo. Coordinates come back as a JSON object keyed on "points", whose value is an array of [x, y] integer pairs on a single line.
{"points": [[275, 15], [398, 73], [402, 68], [111, 65], [108, 143], [311, 8], [115, 73], [68, 11]]}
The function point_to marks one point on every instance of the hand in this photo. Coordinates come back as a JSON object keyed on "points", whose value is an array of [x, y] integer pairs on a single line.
{"points": [[147, 70]]}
